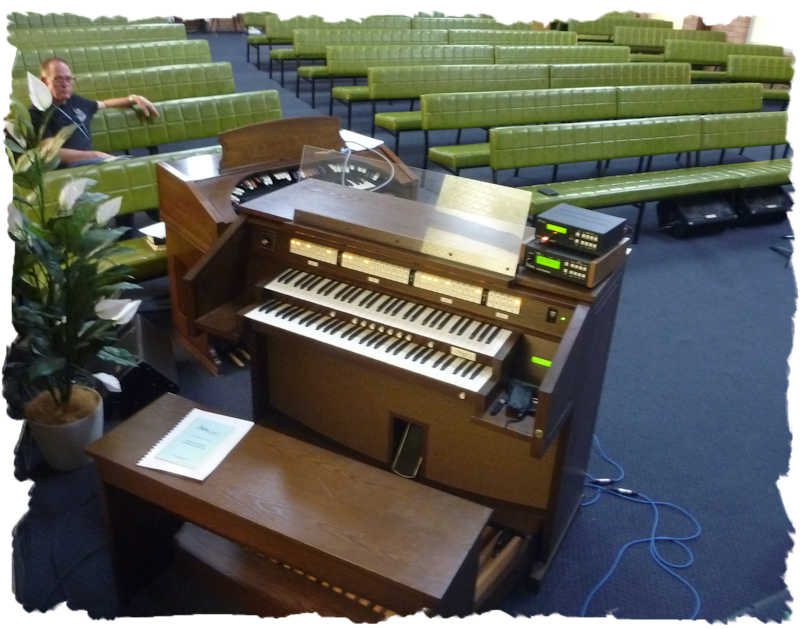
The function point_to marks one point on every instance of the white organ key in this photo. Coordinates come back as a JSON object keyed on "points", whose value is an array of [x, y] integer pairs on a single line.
{"points": [[397, 352], [435, 323]]}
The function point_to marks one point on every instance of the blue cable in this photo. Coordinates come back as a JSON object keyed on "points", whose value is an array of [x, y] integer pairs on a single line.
{"points": [[652, 541], [602, 481]]}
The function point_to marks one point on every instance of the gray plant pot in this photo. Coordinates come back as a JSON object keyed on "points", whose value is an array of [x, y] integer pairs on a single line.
{"points": [[63, 446]]}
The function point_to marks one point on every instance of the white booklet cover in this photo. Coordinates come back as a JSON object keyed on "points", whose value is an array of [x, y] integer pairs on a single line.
{"points": [[197, 444]]}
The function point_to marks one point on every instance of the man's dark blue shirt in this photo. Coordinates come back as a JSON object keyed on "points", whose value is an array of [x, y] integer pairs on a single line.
{"points": [[76, 110]]}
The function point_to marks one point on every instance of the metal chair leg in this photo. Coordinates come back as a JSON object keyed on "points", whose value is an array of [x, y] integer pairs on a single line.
{"points": [[374, 111], [555, 172], [721, 156], [349, 114], [786, 150], [458, 136], [639, 215], [425, 149], [313, 93]]}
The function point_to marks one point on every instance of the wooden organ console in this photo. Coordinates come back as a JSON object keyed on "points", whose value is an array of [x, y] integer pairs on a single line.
{"points": [[377, 333]]}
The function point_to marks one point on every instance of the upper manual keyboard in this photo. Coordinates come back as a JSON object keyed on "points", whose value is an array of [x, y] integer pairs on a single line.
{"points": [[404, 314]]}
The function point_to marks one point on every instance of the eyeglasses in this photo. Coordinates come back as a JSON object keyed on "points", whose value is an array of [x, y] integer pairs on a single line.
{"points": [[63, 80]]}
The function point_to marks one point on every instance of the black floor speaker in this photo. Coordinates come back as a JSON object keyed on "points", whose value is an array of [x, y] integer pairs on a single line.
{"points": [[756, 206], [155, 374], [695, 215]]}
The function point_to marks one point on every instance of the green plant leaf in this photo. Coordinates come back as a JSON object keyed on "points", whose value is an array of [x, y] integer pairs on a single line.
{"points": [[118, 355], [46, 366]]}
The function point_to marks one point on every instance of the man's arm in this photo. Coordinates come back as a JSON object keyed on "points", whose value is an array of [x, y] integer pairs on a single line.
{"points": [[70, 156], [129, 101]]}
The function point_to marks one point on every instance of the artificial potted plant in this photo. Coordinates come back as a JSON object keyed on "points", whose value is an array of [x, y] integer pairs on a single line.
{"points": [[65, 307]]}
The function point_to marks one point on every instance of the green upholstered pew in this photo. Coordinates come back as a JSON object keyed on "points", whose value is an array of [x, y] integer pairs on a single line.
{"points": [[313, 43], [85, 59], [654, 39], [713, 53], [182, 120], [354, 61], [597, 74], [561, 54], [69, 36], [157, 84], [603, 28], [498, 37], [411, 82], [494, 109], [425, 22], [518, 147]]}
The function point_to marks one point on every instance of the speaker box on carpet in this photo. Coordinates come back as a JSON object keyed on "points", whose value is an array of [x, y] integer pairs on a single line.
{"points": [[694, 215], [767, 204]]}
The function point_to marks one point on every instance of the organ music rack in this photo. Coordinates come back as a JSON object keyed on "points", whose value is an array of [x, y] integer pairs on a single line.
{"points": [[343, 374]]}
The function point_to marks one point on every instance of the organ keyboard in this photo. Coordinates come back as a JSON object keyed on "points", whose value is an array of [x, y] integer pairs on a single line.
{"points": [[391, 329]]}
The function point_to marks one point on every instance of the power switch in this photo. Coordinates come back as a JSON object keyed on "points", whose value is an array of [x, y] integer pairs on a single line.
{"points": [[552, 315]]}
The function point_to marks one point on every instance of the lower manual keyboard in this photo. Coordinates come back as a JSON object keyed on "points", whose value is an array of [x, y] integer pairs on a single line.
{"points": [[370, 342]]}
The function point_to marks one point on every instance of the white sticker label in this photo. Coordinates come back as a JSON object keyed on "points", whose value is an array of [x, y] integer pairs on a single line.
{"points": [[312, 263], [374, 280], [501, 315], [445, 300]]}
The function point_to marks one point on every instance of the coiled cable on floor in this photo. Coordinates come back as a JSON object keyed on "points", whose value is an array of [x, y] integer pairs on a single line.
{"points": [[603, 486]]}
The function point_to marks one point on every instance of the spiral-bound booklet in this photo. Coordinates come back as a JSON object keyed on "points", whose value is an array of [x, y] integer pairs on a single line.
{"points": [[197, 444]]}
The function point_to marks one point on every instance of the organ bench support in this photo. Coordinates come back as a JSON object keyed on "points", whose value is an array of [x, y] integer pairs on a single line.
{"points": [[366, 324]]}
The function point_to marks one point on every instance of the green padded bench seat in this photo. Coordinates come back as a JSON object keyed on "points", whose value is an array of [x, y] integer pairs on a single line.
{"points": [[181, 120], [761, 68], [500, 37], [709, 75], [454, 22], [397, 121], [713, 53], [283, 54], [655, 57], [157, 84], [69, 36], [493, 109], [597, 74], [654, 39], [639, 188], [603, 28], [313, 72], [350, 93], [775, 94], [135, 181], [561, 54], [458, 156], [412, 82], [83, 59]]}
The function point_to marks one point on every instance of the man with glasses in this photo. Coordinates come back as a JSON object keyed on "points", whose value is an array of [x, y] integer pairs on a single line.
{"points": [[72, 109]]}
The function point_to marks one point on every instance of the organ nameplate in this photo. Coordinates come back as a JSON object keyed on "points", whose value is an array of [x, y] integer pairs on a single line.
{"points": [[376, 268], [463, 353], [503, 301], [445, 286], [313, 250]]}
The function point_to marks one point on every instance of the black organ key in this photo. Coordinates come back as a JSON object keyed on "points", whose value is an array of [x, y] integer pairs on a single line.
{"points": [[387, 305], [354, 333], [307, 317], [269, 304], [344, 288], [455, 324], [306, 283], [476, 371], [458, 369], [444, 321], [366, 298], [285, 275], [415, 356], [463, 327], [412, 311], [398, 307], [483, 334], [315, 318], [477, 328], [418, 312], [299, 278], [439, 360], [393, 345], [336, 327], [449, 360], [315, 283], [368, 337], [282, 309], [300, 311], [331, 288], [438, 317], [431, 353], [428, 318], [354, 294], [382, 341], [413, 350], [400, 347], [324, 285], [493, 334], [323, 324]]}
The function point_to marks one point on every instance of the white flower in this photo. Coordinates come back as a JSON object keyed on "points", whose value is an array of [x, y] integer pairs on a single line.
{"points": [[12, 130], [72, 191], [120, 311], [40, 95], [15, 220], [109, 382], [108, 210]]}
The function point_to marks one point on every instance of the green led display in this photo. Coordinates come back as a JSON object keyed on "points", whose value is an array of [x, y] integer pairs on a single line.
{"points": [[553, 264], [556, 228], [541, 361]]}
